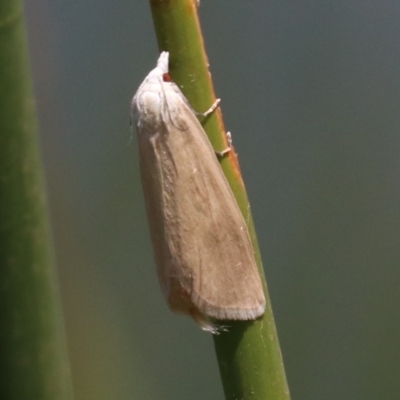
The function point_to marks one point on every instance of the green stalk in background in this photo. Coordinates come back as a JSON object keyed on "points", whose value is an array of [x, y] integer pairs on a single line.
{"points": [[249, 356], [33, 361]]}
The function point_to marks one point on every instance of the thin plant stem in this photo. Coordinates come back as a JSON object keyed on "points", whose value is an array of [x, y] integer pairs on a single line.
{"points": [[33, 361], [249, 355]]}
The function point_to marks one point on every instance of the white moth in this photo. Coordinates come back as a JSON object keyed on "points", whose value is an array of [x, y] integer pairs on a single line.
{"points": [[204, 256]]}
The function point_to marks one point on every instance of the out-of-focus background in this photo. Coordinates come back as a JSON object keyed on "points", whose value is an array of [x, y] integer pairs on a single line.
{"points": [[311, 92]]}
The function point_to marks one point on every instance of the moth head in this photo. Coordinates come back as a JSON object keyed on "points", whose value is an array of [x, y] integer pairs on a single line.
{"points": [[161, 71], [162, 61]]}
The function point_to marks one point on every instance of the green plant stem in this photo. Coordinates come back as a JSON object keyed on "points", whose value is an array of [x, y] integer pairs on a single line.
{"points": [[33, 361], [249, 356]]}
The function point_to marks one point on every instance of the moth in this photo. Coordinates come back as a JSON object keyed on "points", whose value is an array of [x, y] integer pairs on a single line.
{"points": [[204, 256]]}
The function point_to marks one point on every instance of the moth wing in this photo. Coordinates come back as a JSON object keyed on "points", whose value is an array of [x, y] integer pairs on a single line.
{"points": [[202, 245]]}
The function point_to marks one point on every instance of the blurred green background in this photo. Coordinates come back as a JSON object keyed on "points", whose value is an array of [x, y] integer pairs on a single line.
{"points": [[310, 90]]}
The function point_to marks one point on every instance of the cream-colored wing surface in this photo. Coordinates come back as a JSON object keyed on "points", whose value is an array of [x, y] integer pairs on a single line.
{"points": [[203, 250]]}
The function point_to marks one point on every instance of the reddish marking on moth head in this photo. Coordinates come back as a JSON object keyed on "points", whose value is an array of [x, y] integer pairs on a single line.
{"points": [[167, 77]]}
